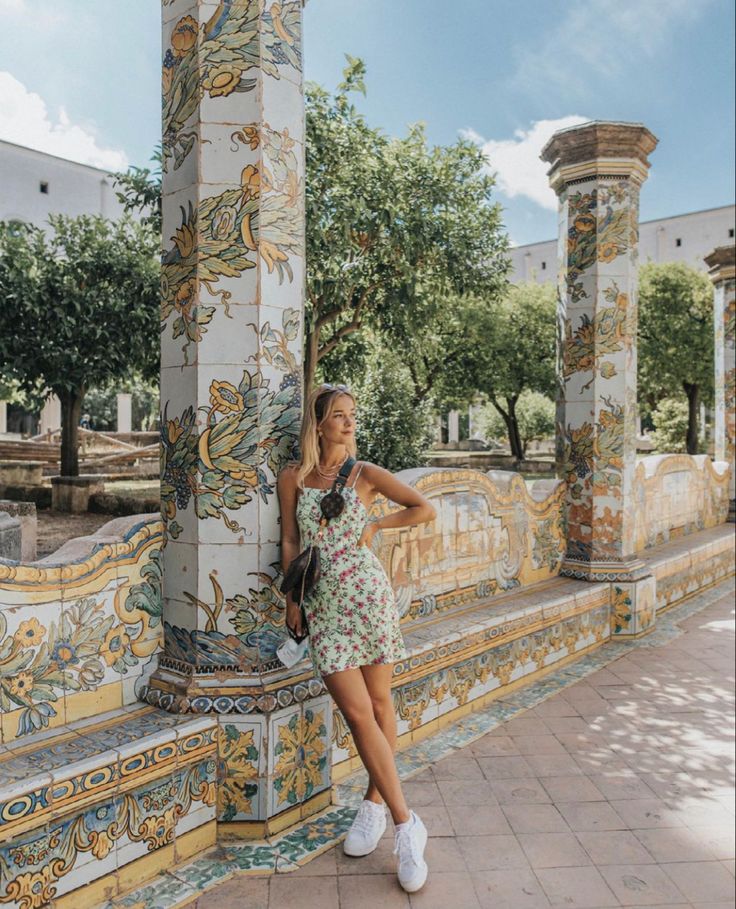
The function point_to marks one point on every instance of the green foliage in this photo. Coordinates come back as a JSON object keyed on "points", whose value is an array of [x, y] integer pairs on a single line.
{"points": [[675, 351], [670, 418], [507, 346], [394, 226], [139, 190], [535, 414], [391, 430], [101, 404], [675, 330], [81, 301]]}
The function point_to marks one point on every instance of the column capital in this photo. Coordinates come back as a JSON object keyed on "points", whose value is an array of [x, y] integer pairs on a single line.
{"points": [[599, 148], [721, 263]]}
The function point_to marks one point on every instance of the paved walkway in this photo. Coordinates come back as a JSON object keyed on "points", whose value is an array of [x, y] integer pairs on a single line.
{"points": [[617, 791]]}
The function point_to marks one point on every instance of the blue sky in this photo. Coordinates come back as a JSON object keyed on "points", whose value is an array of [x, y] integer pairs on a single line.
{"points": [[80, 79]]}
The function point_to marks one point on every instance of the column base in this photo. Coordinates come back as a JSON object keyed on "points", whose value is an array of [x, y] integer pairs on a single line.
{"points": [[275, 743], [184, 690], [631, 569]]}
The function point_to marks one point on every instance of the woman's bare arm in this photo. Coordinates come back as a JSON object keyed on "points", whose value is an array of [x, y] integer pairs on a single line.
{"points": [[417, 508], [286, 489]]}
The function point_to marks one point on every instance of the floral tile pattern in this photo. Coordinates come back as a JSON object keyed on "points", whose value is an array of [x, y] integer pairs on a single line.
{"points": [[596, 432], [66, 639], [233, 209]]}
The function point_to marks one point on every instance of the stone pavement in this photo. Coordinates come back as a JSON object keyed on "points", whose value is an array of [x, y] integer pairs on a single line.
{"points": [[616, 791]]}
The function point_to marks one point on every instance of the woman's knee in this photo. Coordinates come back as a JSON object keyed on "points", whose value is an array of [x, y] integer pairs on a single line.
{"points": [[358, 714], [383, 706]]}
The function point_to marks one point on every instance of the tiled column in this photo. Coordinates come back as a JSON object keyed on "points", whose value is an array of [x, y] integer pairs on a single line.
{"points": [[722, 265], [232, 308], [597, 169]]}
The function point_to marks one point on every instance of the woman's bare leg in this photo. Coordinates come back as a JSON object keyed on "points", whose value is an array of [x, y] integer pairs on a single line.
{"points": [[349, 690], [378, 682]]}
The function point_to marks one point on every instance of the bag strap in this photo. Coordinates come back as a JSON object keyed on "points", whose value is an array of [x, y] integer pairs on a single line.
{"points": [[342, 477]]}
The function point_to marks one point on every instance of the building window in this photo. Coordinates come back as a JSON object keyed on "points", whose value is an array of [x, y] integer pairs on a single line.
{"points": [[544, 266], [43, 187], [730, 231], [678, 242]]}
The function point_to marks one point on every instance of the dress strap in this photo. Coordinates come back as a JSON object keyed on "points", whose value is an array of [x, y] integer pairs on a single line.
{"points": [[362, 463]]}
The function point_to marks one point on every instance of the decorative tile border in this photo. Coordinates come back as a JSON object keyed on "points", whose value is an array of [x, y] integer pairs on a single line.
{"points": [[288, 851]]}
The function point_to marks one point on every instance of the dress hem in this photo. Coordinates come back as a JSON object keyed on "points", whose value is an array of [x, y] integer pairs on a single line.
{"points": [[377, 662]]}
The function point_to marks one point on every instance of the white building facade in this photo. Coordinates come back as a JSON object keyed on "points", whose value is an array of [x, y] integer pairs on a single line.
{"points": [[34, 185], [681, 238]]}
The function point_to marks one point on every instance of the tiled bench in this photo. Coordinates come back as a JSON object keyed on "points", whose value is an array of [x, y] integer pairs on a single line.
{"points": [[105, 802], [690, 563], [458, 663]]}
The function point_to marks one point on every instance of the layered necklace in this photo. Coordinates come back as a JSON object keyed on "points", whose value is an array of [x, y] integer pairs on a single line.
{"points": [[332, 472]]}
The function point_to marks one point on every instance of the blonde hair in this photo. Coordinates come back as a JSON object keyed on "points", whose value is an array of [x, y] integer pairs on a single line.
{"points": [[318, 407]]}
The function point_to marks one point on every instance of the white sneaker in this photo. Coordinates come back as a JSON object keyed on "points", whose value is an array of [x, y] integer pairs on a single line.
{"points": [[367, 828], [411, 838]]}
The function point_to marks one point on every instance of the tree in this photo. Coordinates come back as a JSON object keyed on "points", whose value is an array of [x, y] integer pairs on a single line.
{"points": [[535, 414], [676, 338], [670, 418], [391, 430], [394, 227], [508, 347], [81, 308]]}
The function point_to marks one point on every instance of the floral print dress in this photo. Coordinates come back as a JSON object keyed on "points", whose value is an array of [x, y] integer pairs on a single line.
{"points": [[351, 612]]}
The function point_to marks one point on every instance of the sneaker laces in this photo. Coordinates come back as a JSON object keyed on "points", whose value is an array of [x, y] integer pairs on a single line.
{"points": [[407, 845], [365, 820]]}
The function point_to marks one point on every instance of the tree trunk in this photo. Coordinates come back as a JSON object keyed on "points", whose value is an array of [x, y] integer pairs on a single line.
{"points": [[71, 411], [311, 355], [512, 427], [517, 448], [691, 390]]}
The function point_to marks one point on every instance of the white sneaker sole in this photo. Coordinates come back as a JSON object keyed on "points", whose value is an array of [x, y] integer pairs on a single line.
{"points": [[358, 853], [418, 882]]}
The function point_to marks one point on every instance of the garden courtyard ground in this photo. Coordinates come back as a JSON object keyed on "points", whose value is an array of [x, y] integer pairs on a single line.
{"points": [[615, 791]]}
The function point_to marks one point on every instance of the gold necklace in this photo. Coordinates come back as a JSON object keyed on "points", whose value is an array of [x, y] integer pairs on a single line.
{"points": [[330, 474]]}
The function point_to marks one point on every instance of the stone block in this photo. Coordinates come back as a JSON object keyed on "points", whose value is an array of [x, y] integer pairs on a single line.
{"points": [[10, 537], [25, 512], [21, 473], [72, 494]]}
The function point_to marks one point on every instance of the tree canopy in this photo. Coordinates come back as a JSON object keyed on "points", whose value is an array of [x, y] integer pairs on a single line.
{"points": [[508, 347], [395, 228], [80, 302], [675, 353]]}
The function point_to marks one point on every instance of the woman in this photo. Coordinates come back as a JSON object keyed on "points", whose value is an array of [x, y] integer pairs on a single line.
{"points": [[353, 623]]}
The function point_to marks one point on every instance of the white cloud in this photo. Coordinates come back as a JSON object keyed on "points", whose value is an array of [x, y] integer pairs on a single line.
{"points": [[599, 38], [25, 120], [516, 162]]}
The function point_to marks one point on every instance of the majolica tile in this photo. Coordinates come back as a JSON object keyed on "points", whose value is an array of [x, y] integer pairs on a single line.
{"points": [[298, 754], [241, 769], [233, 340], [229, 150]]}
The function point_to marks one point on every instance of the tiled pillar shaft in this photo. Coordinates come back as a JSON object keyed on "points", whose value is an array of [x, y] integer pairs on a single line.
{"points": [[597, 170], [722, 265], [231, 365]]}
